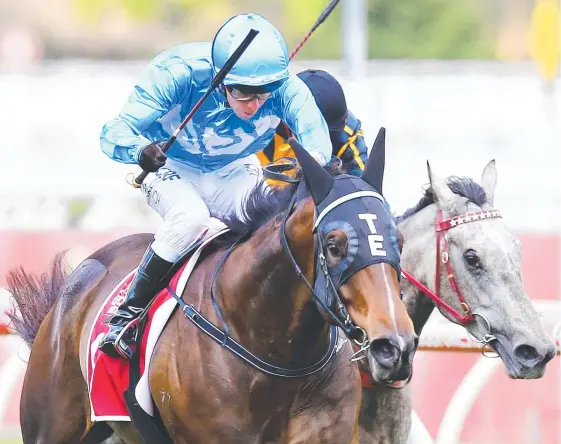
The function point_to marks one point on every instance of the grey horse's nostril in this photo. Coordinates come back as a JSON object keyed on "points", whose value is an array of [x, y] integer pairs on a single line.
{"points": [[527, 354]]}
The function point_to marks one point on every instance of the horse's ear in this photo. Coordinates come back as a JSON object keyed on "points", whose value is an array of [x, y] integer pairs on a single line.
{"points": [[374, 171], [443, 194], [319, 181], [489, 181]]}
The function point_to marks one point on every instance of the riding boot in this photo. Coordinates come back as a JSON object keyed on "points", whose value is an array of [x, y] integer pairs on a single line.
{"points": [[143, 289]]}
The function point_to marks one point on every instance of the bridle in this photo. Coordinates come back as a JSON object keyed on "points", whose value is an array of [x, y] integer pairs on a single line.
{"points": [[340, 317], [464, 314]]}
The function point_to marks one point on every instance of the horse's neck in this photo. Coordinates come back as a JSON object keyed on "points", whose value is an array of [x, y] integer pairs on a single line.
{"points": [[419, 238], [268, 305]]}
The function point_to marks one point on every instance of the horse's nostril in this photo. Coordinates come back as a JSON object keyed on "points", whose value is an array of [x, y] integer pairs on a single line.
{"points": [[385, 353], [527, 354]]}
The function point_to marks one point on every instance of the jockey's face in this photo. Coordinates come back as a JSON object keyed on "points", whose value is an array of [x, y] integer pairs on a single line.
{"points": [[244, 109]]}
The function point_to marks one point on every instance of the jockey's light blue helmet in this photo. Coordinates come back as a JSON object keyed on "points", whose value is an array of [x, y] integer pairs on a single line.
{"points": [[264, 64]]}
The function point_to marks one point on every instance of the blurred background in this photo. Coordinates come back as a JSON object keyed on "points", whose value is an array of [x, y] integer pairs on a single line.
{"points": [[455, 82]]}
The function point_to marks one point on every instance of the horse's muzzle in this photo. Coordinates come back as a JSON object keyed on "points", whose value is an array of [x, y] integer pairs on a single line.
{"points": [[390, 358]]}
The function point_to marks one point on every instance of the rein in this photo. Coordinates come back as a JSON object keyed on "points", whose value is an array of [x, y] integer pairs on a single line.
{"points": [[223, 338], [222, 335], [338, 317]]}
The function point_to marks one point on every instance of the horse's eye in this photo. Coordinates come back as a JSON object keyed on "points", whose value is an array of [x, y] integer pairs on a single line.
{"points": [[334, 249], [471, 258]]}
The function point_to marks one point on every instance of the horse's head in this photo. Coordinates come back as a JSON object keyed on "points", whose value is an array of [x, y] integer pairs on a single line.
{"points": [[478, 270], [357, 262]]}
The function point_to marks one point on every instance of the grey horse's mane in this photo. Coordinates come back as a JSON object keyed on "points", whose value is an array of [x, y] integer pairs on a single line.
{"points": [[463, 186]]}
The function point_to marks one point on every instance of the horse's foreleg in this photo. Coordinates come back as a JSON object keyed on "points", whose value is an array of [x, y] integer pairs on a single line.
{"points": [[385, 416], [328, 408], [322, 426]]}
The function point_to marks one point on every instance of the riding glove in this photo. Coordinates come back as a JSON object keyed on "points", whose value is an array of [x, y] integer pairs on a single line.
{"points": [[152, 157]]}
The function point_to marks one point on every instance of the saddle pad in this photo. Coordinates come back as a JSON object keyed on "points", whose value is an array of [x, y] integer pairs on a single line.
{"points": [[108, 377]]}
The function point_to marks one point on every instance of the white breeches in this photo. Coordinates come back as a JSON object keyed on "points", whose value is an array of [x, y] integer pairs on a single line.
{"points": [[186, 198]]}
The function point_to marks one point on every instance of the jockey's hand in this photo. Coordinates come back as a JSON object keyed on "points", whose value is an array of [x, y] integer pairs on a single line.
{"points": [[152, 157]]}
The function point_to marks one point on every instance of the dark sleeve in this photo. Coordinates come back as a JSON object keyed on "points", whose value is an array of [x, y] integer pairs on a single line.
{"points": [[361, 146], [352, 150]]}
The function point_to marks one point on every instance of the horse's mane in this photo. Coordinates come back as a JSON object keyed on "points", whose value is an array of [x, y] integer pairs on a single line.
{"points": [[261, 205], [463, 186]]}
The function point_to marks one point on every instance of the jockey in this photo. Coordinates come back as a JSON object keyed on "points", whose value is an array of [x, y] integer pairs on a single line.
{"points": [[344, 128], [212, 165]]}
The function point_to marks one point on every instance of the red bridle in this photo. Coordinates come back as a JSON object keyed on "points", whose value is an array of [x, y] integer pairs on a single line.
{"points": [[441, 226]]}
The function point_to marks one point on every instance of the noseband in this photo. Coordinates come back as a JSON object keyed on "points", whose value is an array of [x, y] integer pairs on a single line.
{"points": [[463, 315]]}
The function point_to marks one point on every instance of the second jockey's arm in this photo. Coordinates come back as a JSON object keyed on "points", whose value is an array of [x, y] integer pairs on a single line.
{"points": [[158, 90], [303, 117]]}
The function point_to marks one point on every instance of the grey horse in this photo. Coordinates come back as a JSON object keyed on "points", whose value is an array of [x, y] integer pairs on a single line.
{"points": [[489, 300]]}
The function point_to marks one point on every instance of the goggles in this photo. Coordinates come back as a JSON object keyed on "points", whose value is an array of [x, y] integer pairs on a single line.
{"points": [[246, 96], [245, 93]]}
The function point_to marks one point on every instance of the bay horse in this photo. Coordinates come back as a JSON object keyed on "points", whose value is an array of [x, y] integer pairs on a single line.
{"points": [[321, 253], [475, 281]]}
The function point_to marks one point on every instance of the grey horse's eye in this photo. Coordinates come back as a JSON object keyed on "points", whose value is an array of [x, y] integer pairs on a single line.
{"points": [[472, 259]]}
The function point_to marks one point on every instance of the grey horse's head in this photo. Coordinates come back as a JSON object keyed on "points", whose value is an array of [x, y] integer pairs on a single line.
{"points": [[485, 260]]}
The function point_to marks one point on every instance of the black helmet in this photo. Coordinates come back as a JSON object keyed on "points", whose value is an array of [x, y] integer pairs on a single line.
{"points": [[329, 96]]}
